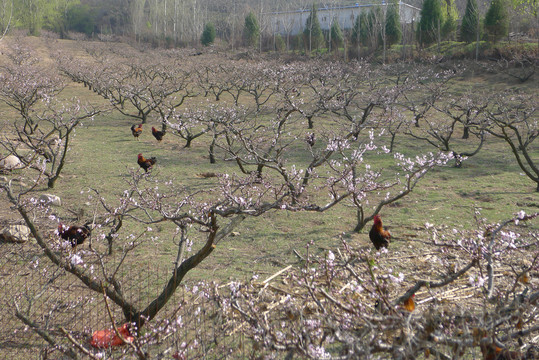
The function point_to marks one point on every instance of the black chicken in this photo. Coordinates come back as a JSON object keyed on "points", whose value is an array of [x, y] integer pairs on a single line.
{"points": [[76, 235]]}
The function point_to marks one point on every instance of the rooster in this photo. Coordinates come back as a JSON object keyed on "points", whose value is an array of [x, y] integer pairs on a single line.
{"points": [[146, 164], [76, 235], [158, 134], [492, 352], [379, 236], [103, 339], [136, 130], [409, 303]]}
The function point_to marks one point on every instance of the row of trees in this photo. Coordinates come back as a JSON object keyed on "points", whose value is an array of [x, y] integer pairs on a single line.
{"points": [[381, 26], [144, 91], [439, 21], [183, 22], [262, 116]]}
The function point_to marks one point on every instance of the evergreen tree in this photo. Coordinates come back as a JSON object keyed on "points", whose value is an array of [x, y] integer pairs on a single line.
{"points": [[280, 45], [468, 28], [450, 14], [336, 36], [497, 20], [393, 24], [208, 35], [361, 26], [251, 30], [313, 32], [431, 16], [374, 26], [364, 30], [356, 31]]}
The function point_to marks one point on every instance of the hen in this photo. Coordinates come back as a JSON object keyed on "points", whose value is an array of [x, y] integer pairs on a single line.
{"points": [[74, 234], [103, 339], [136, 130], [146, 164], [158, 134], [379, 236]]}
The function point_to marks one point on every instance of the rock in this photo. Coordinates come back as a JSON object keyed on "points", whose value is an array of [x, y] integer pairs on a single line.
{"points": [[3, 179], [15, 233], [19, 182], [10, 162], [49, 199]]}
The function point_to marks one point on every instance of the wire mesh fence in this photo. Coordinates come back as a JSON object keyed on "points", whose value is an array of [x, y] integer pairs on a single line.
{"points": [[37, 296]]}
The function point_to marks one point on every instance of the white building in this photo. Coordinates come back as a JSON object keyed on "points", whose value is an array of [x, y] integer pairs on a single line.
{"points": [[293, 22]]}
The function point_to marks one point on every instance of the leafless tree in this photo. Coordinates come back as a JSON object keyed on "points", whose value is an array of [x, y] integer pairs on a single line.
{"points": [[349, 303], [513, 119]]}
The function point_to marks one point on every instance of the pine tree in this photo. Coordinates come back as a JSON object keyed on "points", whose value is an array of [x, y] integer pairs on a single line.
{"points": [[393, 24], [354, 36], [374, 26], [468, 28], [280, 45], [450, 14], [361, 26], [313, 32], [208, 35], [431, 16], [336, 35], [497, 20], [251, 30]]}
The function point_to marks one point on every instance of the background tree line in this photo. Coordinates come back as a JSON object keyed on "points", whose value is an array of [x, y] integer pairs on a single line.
{"points": [[246, 23]]}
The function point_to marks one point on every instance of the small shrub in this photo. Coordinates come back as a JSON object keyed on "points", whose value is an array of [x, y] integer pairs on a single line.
{"points": [[208, 35]]}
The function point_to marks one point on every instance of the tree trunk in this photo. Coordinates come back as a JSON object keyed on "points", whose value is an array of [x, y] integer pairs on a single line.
{"points": [[466, 133], [360, 220], [212, 154], [51, 182], [392, 143]]}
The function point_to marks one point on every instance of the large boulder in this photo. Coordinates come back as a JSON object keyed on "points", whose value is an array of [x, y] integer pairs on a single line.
{"points": [[10, 162], [49, 199], [15, 233]]}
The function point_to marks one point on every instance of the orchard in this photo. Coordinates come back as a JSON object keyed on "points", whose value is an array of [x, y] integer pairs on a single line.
{"points": [[259, 204]]}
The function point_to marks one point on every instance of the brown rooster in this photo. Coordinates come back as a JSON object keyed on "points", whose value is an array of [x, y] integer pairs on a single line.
{"points": [[409, 303], [492, 352], [136, 130], [74, 234], [379, 236], [158, 134], [146, 164]]}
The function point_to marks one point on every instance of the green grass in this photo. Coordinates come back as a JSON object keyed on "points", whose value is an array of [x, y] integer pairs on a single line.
{"points": [[103, 153], [459, 50]]}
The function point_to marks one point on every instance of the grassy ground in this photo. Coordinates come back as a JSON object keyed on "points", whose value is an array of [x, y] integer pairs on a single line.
{"points": [[104, 152]]}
